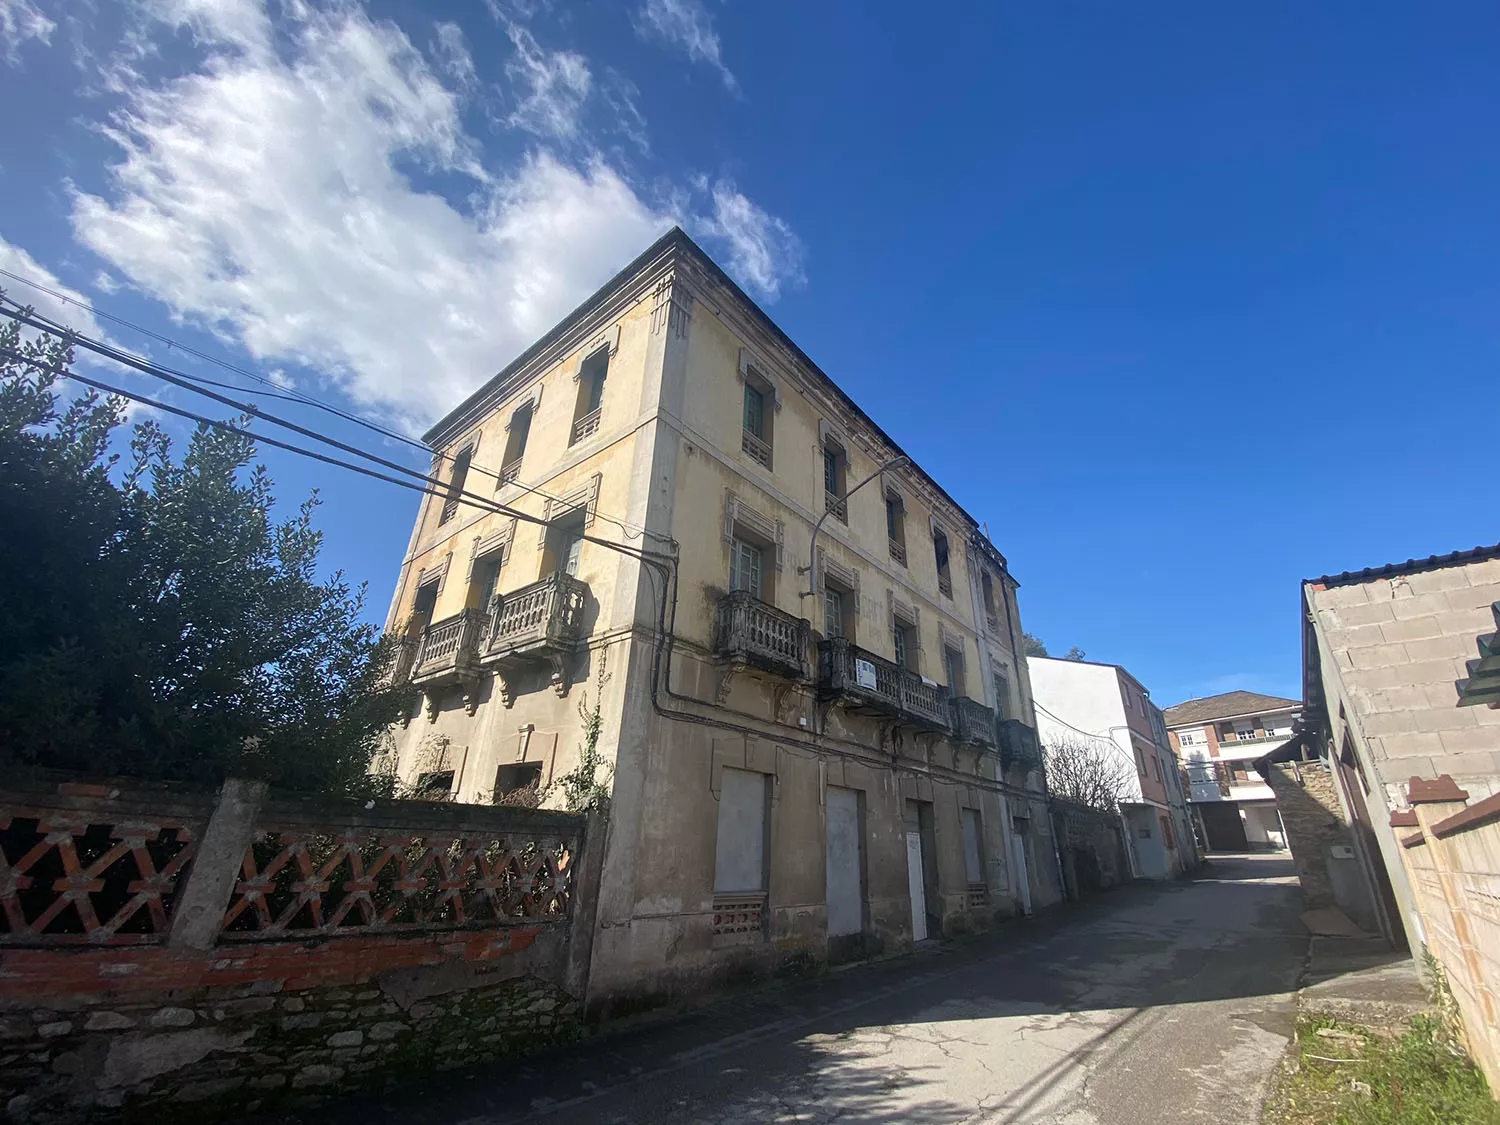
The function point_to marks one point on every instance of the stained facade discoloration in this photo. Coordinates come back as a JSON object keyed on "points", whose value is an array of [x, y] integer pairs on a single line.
{"points": [[712, 450]]}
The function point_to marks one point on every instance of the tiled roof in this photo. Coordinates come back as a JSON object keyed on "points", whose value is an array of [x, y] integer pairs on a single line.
{"points": [[1410, 566], [1225, 706]]}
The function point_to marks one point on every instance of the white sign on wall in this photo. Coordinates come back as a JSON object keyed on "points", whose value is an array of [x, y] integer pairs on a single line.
{"points": [[864, 673]]}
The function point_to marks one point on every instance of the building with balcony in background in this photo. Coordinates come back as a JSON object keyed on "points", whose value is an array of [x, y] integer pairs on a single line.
{"points": [[1104, 707], [1219, 739], [816, 744]]}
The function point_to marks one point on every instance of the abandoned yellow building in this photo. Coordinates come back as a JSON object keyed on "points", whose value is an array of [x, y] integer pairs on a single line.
{"points": [[815, 720]]}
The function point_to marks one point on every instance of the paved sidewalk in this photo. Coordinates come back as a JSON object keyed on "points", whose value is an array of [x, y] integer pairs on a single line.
{"points": [[1160, 1004]]}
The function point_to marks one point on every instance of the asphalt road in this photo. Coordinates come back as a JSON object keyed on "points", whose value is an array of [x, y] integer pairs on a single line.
{"points": [[1153, 1004]]}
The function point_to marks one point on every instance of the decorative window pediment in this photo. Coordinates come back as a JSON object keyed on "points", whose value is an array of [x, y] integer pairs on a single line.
{"points": [[844, 576], [606, 341], [584, 497], [738, 514], [436, 573], [751, 368]]}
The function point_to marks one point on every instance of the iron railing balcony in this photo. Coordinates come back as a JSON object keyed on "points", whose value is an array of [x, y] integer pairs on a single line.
{"points": [[945, 584], [586, 426], [757, 447], [973, 722], [898, 551], [846, 671], [748, 629], [450, 647], [1018, 743], [538, 624], [511, 472], [837, 505]]}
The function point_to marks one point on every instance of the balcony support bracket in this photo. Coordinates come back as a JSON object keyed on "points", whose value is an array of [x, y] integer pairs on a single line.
{"points": [[562, 680], [430, 698]]}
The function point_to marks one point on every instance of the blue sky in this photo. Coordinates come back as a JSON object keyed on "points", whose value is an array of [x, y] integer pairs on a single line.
{"points": [[1185, 301]]}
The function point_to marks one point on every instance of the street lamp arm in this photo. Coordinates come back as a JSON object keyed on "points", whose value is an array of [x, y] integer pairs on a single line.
{"points": [[812, 550]]}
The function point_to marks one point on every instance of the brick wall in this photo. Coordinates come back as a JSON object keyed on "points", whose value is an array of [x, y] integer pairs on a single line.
{"points": [[166, 958]]}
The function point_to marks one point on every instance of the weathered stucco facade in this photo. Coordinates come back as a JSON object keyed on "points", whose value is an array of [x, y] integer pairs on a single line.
{"points": [[796, 772]]}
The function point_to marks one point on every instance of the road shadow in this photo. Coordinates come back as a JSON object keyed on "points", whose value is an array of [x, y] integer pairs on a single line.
{"points": [[1091, 969]]}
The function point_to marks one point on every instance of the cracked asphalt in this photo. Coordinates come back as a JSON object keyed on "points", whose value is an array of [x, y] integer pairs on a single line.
{"points": [[1160, 1003]]}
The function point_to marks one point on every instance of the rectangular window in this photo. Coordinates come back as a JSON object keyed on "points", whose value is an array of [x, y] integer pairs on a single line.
{"points": [[485, 578], [515, 444], [953, 665], [895, 526], [940, 553], [906, 645], [833, 613], [456, 483], [745, 567], [833, 484], [755, 412], [1002, 696], [756, 439], [740, 853], [587, 410], [564, 546]]}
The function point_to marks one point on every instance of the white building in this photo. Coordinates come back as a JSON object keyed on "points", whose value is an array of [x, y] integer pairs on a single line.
{"points": [[1219, 738], [1103, 705]]}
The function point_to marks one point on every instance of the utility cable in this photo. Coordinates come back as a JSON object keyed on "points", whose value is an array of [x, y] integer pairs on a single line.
{"points": [[46, 324]]}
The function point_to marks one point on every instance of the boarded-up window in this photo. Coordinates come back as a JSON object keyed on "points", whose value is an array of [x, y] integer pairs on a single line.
{"points": [[740, 858], [973, 853]]}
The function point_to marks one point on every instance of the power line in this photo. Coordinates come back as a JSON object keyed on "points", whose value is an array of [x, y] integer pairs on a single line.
{"points": [[429, 486], [293, 394], [179, 380]]}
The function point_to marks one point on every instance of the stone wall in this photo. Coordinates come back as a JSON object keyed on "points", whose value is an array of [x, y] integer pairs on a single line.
{"points": [[1092, 845], [1321, 840], [143, 976]]}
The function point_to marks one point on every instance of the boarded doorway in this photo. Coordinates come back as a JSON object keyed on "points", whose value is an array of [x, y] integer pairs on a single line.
{"points": [[845, 873]]}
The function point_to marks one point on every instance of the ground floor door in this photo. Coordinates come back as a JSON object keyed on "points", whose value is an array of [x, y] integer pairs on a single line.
{"points": [[1222, 826], [845, 863], [917, 886]]}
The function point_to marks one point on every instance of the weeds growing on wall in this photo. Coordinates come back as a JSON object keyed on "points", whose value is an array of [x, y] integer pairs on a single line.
{"points": [[586, 787]]}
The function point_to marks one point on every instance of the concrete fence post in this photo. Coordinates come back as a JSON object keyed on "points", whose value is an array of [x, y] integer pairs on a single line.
{"points": [[211, 877], [586, 885]]}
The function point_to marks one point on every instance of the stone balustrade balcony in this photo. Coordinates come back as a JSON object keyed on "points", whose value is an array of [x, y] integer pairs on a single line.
{"points": [[539, 624], [449, 649], [749, 630], [1018, 744], [973, 722], [870, 682]]}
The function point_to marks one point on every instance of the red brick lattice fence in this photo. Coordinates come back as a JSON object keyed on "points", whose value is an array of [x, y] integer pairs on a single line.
{"points": [[210, 952]]}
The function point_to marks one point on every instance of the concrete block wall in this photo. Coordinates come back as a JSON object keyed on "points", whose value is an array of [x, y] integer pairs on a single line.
{"points": [[1398, 644]]}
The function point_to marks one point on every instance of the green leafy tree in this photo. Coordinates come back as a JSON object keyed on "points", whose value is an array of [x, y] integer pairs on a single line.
{"points": [[1032, 645], [161, 623]]}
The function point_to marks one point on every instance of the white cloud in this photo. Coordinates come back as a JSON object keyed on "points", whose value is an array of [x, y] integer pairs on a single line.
{"points": [[15, 260], [621, 94], [557, 84], [21, 20], [687, 24], [453, 54], [239, 23], [764, 253], [262, 195]]}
